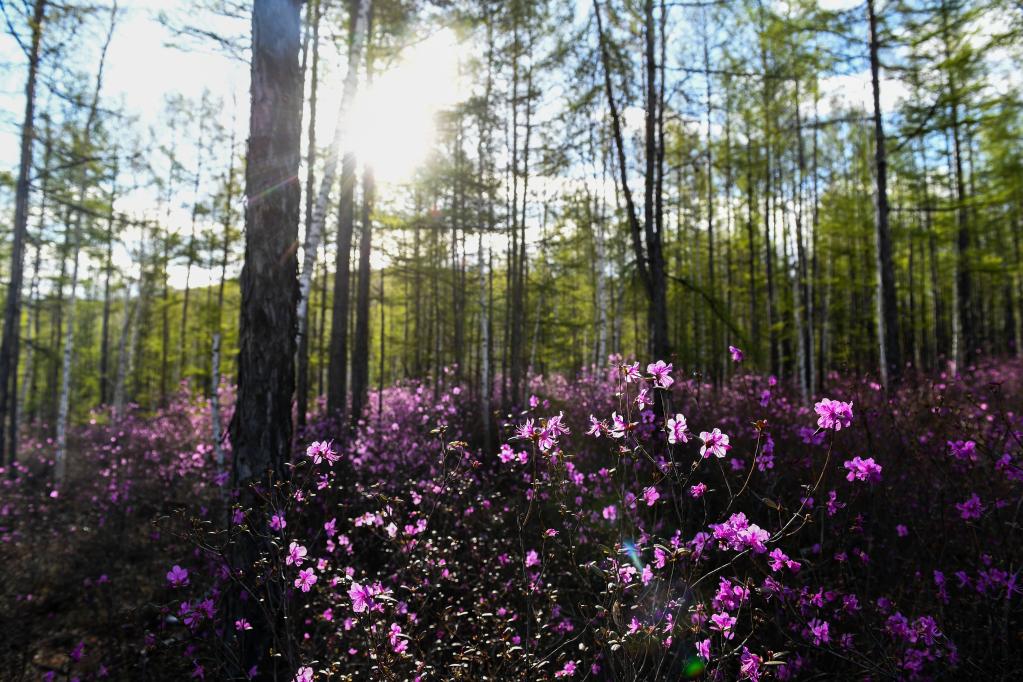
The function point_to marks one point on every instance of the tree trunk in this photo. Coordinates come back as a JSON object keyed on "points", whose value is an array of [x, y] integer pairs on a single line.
{"points": [[314, 229], [890, 361], [261, 426], [12, 305], [60, 455], [360, 351], [302, 389]]}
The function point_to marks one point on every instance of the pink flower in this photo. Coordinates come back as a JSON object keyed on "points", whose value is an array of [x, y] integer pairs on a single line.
{"points": [[863, 470], [241, 625], [595, 427], [678, 431], [819, 631], [618, 425], [610, 512], [651, 495], [306, 579], [971, 508], [304, 674], [321, 450], [698, 490], [714, 443], [360, 596], [296, 554], [963, 449], [277, 522], [398, 643], [532, 558], [723, 623], [567, 671], [177, 576], [749, 666], [833, 414], [736, 354], [643, 398], [661, 373], [703, 650], [631, 372], [779, 560]]}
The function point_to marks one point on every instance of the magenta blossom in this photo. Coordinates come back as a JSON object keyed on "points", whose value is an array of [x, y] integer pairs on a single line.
{"points": [[296, 554], [567, 671], [306, 579], [714, 443], [723, 622], [736, 354], [678, 431], [304, 674], [833, 414], [971, 508], [661, 373], [177, 576], [361, 597], [863, 470]]}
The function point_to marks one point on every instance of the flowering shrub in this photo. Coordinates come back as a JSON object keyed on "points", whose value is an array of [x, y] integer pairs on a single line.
{"points": [[630, 524]]}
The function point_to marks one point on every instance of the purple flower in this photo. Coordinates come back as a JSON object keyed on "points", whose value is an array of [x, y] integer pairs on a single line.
{"points": [[971, 508], [567, 671], [703, 650], [296, 554], [963, 449], [714, 443], [833, 414], [661, 373], [863, 470], [360, 596], [306, 579], [678, 432], [304, 674], [651, 495], [723, 622], [819, 631], [177, 576], [749, 666], [736, 354]]}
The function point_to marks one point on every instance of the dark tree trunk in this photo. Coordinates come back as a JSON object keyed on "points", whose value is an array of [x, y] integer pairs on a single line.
{"points": [[360, 351], [12, 306], [337, 379], [261, 427], [889, 358]]}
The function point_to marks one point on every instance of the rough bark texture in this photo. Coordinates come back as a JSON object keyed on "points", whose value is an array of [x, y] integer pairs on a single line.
{"points": [[261, 426], [889, 359], [360, 352], [12, 306]]}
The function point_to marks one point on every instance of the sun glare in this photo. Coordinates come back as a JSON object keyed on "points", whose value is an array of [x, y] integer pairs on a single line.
{"points": [[394, 122]]}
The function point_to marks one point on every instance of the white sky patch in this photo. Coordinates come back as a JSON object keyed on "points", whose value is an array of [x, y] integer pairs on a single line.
{"points": [[852, 91], [394, 126]]}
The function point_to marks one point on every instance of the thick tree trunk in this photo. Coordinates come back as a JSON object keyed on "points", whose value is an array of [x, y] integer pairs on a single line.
{"points": [[261, 426], [12, 305], [890, 361], [360, 350]]}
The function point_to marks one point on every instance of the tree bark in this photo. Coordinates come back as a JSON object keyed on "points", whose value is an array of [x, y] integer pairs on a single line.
{"points": [[889, 356], [12, 305], [261, 426]]}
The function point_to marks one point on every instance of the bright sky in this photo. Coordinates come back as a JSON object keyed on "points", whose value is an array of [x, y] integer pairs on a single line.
{"points": [[393, 122]]}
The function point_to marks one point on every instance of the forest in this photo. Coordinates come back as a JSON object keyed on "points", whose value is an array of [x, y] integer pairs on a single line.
{"points": [[511, 340]]}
